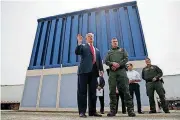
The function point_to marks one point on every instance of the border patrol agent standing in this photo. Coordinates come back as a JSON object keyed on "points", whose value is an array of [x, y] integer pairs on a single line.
{"points": [[152, 75], [116, 59]]}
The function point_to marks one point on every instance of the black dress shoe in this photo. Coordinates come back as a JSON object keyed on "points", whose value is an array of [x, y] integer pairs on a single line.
{"points": [[97, 115], [82, 115], [152, 111], [123, 112], [166, 111], [141, 112], [102, 112], [111, 114]]}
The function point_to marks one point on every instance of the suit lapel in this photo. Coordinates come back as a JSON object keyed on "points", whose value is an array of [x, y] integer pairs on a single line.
{"points": [[88, 47]]}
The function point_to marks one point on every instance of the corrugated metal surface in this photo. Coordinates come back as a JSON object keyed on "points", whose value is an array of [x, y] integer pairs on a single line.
{"points": [[55, 39], [171, 85], [11, 93]]}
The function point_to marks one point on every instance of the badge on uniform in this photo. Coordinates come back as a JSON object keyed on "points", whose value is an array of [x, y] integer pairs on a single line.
{"points": [[152, 67], [147, 69], [121, 49]]}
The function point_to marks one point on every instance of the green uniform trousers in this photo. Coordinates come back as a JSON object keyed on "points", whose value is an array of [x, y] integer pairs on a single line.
{"points": [[119, 78], [151, 87]]}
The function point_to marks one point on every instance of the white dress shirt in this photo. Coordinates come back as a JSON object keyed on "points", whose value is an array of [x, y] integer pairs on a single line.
{"points": [[133, 75], [98, 79]]}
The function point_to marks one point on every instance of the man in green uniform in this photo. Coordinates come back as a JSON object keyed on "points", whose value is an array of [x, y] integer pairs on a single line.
{"points": [[152, 74], [116, 59]]}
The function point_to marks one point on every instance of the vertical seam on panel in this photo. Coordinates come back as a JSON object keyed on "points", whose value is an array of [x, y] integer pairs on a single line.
{"points": [[23, 92], [70, 40], [39, 91], [58, 89]]}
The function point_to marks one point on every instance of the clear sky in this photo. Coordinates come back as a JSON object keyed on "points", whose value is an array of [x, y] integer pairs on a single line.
{"points": [[19, 22]]}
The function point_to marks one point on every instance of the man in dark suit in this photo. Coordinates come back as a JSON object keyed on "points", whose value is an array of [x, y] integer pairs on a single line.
{"points": [[89, 69], [100, 85]]}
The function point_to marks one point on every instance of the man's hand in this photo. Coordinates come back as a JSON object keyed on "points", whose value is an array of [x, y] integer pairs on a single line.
{"points": [[99, 88], [154, 79], [117, 92], [116, 65], [132, 81], [113, 68], [137, 80], [101, 73], [79, 38]]}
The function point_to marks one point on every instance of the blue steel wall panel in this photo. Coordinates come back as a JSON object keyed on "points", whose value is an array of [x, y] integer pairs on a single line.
{"points": [[136, 35], [30, 92], [57, 42], [126, 32], [85, 26], [55, 39], [74, 33], [50, 44], [92, 25], [66, 41], [43, 36], [112, 23], [98, 30], [35, 45], [68, 96], [49, 91], [104, 46]]}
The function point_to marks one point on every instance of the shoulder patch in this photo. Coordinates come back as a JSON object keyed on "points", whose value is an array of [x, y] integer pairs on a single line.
{"points": [[121, 49], [152, 67]]}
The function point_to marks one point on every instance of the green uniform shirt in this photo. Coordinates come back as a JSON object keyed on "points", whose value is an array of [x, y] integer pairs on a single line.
{"points": [[118, 55], [148, 73]]}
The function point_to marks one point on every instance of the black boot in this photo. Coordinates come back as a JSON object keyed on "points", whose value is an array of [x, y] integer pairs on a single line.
{"points": [[152, 111], [131, 114], [166, 111]]}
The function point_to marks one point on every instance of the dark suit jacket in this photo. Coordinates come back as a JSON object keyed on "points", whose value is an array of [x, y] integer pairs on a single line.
{"points": [[86, 59], [101, 82]]}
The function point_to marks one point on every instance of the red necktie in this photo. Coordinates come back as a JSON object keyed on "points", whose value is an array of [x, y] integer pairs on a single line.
{"points": [[92, 51]]}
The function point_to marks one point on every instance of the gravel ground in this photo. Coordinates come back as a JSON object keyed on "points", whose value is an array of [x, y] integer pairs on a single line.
{"points": [[15, 115]]}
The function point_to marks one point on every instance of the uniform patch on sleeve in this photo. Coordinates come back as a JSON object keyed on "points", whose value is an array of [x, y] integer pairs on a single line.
{"points": [[121, 49]]}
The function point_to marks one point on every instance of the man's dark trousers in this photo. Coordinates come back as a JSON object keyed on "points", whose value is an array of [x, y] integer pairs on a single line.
{"points": [[121, 95], [101, 99], [135, 88], [89, 79]]}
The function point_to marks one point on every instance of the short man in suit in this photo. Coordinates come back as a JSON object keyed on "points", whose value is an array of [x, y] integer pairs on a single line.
{"points": [[89, 69], [100, 85]]}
